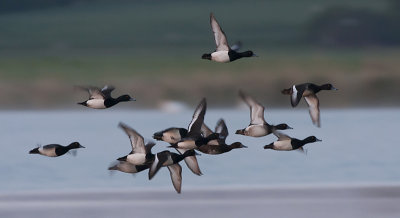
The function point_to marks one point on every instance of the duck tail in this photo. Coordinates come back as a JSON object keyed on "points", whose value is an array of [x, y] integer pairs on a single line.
{"points": [[34, 151], [270, 146]]}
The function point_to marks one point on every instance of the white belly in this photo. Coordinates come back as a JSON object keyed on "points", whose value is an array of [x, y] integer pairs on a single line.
{"points": [[283, 145], [188, 145], [96, 103], [48, 152], [256, 131], [220, 56], [136, 159]]}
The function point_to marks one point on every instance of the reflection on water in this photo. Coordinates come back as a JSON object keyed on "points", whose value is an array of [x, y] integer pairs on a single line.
{"points": [[359, 146]]}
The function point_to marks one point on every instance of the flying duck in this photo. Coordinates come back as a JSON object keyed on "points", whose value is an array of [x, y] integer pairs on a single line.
{"points": [[308, 91], [258, 127], [140, 154], [101, 99], [170, 160], [55, 150], [218, 146], [173, 135], [127, 167], [194, 138], [286, 143], [224, 53]]}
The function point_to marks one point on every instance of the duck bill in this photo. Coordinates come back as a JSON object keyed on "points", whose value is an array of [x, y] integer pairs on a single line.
{"points": [[333, 88], [254, 55], [81, 146], [318, 140], [158, 136], [132, 99]]}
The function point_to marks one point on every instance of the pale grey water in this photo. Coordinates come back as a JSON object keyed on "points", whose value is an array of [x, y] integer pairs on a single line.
{"points": [[360, 146]]}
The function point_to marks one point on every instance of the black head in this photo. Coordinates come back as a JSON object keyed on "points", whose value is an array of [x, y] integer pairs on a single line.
{"points": [[311, 139], [248, 54], [122, 158], [125, 98], [75, 145], [206, 56], [34, 151], [237, 145], [283, 126], [328, 86]]}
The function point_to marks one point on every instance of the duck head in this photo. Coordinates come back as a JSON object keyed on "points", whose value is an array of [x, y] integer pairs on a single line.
{"points": [[311, 139], [75, 145], [283, 126], [248, 54], [125, 98], [328, 86]]}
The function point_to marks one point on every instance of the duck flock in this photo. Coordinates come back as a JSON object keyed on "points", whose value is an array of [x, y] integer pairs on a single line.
{"points": [[198, 136]]}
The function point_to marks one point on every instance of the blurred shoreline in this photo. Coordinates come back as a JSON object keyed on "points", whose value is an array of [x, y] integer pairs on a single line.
{"points": [[320, 201]]}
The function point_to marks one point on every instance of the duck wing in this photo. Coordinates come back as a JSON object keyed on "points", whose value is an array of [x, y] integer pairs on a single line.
{"points": [[221, 129], [191, 162], [149, 146], [297, 93], [94, 92], [236, 46], [205, 131], [194, 129], [136, 139], [313, 108], [106, 91], [219, 35], [256, 109], [175, 172], [281, 136], [158, 162]]}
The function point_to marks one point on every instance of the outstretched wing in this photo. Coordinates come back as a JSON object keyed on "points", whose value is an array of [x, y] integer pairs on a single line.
{"points": [[94, 92], [236, 46], [106, 91], [158, 162], [191, 162], [221, 129], [297, 93], [281, 136], [205, 131], [175, 172], [219, 35], [256, 109], [313, 108], [137, 140], [194, 129]]}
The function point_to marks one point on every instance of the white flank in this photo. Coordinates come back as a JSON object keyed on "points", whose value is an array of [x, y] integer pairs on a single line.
{"points": [[51, 152], [96, 103], [137, 158], [220, 56]]}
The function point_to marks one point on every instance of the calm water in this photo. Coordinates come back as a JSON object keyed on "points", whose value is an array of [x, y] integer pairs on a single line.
{"points": [[359, 146]]}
